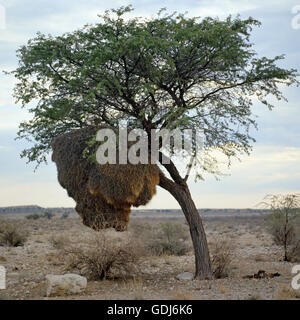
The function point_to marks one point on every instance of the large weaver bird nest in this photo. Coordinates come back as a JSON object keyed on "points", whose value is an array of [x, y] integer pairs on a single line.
{"points": [[104, 194]]}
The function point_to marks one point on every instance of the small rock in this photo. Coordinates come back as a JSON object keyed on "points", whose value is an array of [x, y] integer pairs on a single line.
{"points": [[40, 277], [68, 284], [13, 276], [185, 276]]}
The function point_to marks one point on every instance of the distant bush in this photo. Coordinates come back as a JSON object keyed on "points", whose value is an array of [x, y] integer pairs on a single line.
{"points": [[11, 234], [166, 238], [175, 248], [65, 215], [104, 257], [34, 216], [221, 251], [48, 215]]}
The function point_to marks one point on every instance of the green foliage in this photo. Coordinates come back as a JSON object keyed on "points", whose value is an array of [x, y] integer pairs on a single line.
{"points": [[65, 216], [168, 72], [48, 215], [34, 216], [166, 238]]}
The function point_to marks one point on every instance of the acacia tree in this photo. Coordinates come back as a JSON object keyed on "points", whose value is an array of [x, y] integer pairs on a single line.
{"points": [[167, 72]]}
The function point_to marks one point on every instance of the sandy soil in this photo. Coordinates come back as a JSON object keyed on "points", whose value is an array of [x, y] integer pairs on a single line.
{"points": [[155, 277]]}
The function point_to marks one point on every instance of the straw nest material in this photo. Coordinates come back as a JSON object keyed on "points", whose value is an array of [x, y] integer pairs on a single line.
{"points": [[104, 194]]}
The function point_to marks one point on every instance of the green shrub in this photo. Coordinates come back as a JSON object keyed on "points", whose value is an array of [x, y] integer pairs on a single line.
{"points": [[48, 215], [165, 247], [166, 238], [34, 216], [65, 215]]}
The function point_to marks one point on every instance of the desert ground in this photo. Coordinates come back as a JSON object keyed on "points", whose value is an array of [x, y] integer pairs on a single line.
{"points": [[241, 240]]}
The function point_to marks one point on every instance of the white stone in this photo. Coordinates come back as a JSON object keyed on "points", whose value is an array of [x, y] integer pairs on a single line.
{"points": [[14, 276], [185, 276], [68, 284]]}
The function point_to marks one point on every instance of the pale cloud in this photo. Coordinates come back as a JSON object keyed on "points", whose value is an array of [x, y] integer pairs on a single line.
{"points": [[11, 120], [70, 17], [267, 163], [6, 88], [271, 155], [5, 148], [31, 193], [11, 114], [233, 200], [215, 8], [221, 200]]}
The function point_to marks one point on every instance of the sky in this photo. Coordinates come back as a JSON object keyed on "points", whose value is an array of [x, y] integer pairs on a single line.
{"points": [[272, 167]]}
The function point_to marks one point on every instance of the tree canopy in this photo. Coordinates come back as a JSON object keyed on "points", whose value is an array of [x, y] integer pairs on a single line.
{"points": [[167, 72]]}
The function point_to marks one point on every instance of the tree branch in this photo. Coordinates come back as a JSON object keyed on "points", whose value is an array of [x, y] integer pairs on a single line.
{"points": [[171, 168]]}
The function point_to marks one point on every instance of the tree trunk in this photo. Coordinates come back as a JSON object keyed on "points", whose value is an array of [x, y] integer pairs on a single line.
{"points": [[285, 250], [182, 194]]}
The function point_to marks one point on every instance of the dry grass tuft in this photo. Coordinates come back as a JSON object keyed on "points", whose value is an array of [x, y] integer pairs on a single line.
{"points": [[11, 234], [285, 292], [59, 241], [135, 287], [223, 289], [180, 294], [222, 252], [256, 297], [165, 238], [103, 256]]}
